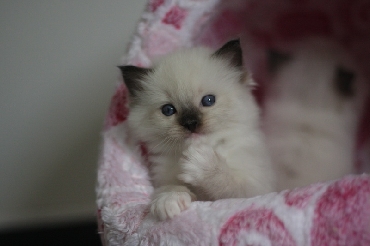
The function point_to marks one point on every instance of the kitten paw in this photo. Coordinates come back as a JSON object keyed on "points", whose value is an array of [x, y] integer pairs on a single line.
{"points": [[166, 205], [198, 162]]}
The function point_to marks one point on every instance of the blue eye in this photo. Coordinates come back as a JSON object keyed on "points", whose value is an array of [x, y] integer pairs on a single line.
{"points": [[168, 109], [208, 100]]}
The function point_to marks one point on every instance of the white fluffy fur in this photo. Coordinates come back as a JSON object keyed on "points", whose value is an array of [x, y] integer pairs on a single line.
{"points": [[226, 159], [310, 128]]}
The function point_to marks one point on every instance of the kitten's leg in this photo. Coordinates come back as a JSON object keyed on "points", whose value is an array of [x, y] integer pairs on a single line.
{"points": [[203, 168], [170, 200]]}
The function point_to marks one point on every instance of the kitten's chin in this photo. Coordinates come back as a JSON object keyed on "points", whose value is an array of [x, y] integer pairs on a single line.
{"points": [[201, 131], [194, 135]]}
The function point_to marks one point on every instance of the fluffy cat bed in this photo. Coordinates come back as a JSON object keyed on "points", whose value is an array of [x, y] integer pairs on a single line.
{"points": [[331, 213]]}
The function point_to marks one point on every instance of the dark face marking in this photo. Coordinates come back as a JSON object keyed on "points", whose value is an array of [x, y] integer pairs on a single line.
{"points": [[232, 52], [276, 60], [190, 119], [132, 77], [344, 80]]}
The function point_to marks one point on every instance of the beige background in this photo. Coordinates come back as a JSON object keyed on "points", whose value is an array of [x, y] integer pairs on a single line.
{"points": [[57, 73]]}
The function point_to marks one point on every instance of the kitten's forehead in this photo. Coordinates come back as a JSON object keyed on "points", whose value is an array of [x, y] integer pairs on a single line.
{"points": [[189, 72]]}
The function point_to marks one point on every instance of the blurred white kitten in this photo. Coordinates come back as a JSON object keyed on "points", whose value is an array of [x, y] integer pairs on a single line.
{"points": [[195, 112], [313, 105]]}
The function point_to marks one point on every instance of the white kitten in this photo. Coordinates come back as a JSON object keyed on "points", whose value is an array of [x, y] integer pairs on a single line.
{"points": [[312, 108], [195, 112]]}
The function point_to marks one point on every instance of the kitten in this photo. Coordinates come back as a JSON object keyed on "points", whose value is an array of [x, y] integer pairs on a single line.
{"points": [[195, 112], [312, 108]]}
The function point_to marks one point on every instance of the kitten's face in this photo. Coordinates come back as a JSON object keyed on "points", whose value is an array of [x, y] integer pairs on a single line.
{"points": [[189, 92]]}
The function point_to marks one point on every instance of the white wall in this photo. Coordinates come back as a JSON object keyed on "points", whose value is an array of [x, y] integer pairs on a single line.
{"points": [[57, 72]]}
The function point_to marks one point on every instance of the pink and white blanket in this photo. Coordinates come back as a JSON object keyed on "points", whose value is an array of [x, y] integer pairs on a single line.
{"points": [[332, 213]]}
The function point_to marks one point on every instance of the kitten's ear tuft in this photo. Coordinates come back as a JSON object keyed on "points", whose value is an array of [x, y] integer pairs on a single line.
{"points": [[276, 60], [231, 51], [132, 77]]}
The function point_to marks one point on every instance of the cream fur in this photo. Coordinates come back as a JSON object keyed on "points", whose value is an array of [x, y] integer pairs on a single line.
{"points": [[310, 128], [226, 159]]}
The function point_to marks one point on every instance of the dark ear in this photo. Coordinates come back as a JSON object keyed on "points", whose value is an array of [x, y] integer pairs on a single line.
{"points": [[132, 77], [231, 51], [276, 60], [344, 80]]}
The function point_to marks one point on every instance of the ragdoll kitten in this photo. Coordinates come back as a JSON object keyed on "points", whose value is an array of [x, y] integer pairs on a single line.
{"points": [[312, 109], [195, 112]]}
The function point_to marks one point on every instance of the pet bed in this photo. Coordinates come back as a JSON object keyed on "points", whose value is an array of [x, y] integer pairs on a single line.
{"points": [[331, 213]]}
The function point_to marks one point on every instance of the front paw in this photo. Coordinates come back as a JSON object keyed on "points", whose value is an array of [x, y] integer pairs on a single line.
{"points": [[198, 162], [165, 205]]}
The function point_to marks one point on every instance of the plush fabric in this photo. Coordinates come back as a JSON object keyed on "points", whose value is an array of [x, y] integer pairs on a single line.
{"points": [[332, 213]]}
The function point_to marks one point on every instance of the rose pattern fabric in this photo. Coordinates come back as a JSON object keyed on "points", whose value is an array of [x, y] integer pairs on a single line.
{"points": [[332, 213]]}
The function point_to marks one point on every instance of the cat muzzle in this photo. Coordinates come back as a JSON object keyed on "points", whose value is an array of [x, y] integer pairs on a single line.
{"points": [[190, 119], [191, 125]]}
